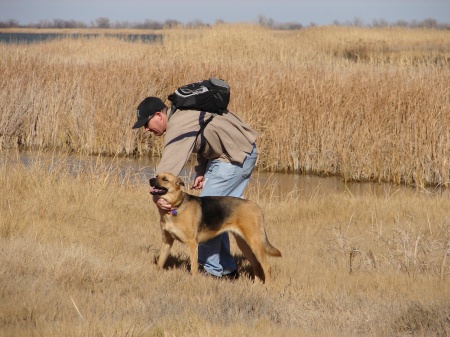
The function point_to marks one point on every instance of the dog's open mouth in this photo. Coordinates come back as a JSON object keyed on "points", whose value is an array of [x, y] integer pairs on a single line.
{"points": [[158, 191]]}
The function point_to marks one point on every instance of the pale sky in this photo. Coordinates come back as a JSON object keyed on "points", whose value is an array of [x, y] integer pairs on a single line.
{"points": [[320, 12]]}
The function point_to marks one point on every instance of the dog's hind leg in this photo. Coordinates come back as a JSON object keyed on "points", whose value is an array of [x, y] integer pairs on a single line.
{"points": [[166, 245], [258, 269]]}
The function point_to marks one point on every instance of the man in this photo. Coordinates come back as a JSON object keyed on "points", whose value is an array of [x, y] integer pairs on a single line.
{"points": [[226, 155]]}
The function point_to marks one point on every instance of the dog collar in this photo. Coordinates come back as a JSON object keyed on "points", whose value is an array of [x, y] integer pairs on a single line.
{"points": [[174, 212]]}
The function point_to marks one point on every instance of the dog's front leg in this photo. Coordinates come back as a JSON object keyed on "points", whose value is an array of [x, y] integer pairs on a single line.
{"points": [[166, 245], [193, 254]]}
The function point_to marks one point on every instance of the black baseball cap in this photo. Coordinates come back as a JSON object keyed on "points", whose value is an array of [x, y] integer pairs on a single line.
{"points": [[148, 107]]}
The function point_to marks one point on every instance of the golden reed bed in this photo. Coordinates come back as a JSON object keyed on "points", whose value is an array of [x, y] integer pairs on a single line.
{"points": [[368, 104], [76, 251]]}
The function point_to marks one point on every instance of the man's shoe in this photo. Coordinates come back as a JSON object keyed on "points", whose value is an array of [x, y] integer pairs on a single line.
{"points": [[203, 271], [234, 275]]}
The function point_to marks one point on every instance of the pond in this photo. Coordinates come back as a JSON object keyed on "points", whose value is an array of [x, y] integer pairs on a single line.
{"points": [[139, 171], [11, 38]]}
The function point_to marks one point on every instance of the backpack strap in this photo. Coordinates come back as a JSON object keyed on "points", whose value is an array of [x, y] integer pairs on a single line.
{"points": [[173, 108], [202, 128]]}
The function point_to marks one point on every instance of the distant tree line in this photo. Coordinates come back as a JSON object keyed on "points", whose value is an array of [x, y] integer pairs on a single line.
{"points": [[105, 23], [426, 23]]}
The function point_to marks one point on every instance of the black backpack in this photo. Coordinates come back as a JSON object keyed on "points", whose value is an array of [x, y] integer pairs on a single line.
{"points": [[212, 95]]}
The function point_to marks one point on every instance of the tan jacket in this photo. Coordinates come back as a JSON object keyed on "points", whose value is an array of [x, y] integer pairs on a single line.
{"points": [[226, 137]]}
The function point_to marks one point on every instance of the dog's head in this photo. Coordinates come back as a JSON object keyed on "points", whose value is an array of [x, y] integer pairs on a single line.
{"points": [[165, 183]]}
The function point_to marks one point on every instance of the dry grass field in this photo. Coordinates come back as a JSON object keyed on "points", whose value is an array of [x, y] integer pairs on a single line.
{"points": [[368, 104], [77, 243], [77, 246]]}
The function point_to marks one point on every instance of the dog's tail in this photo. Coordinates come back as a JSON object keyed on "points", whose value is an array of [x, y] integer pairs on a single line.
{"points": [[271, 250], [268, 248]]}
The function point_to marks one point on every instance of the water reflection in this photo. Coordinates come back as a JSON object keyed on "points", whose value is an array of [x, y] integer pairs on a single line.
{"points": [[306, 184], [42, 37], [139, 171]]}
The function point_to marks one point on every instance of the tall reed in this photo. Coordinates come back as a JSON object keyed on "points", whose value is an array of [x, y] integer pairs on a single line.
{"points": [[368, 104]]}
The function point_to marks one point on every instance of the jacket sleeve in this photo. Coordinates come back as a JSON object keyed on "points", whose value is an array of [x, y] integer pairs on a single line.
{"points": [[175, 155], [181, 134]]}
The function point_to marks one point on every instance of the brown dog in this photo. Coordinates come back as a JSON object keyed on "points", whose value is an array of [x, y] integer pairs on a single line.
{"points": [[197, 219]]}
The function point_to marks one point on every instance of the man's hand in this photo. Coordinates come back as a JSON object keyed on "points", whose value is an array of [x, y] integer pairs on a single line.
{"points": [[162, 204], [198, 182]]}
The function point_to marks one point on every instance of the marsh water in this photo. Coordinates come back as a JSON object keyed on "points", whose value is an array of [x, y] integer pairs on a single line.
{"points": [[139, 171], [42, 37]]}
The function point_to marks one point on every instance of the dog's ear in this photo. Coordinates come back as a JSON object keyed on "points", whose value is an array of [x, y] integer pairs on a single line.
{"points": [[179, 182]]}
